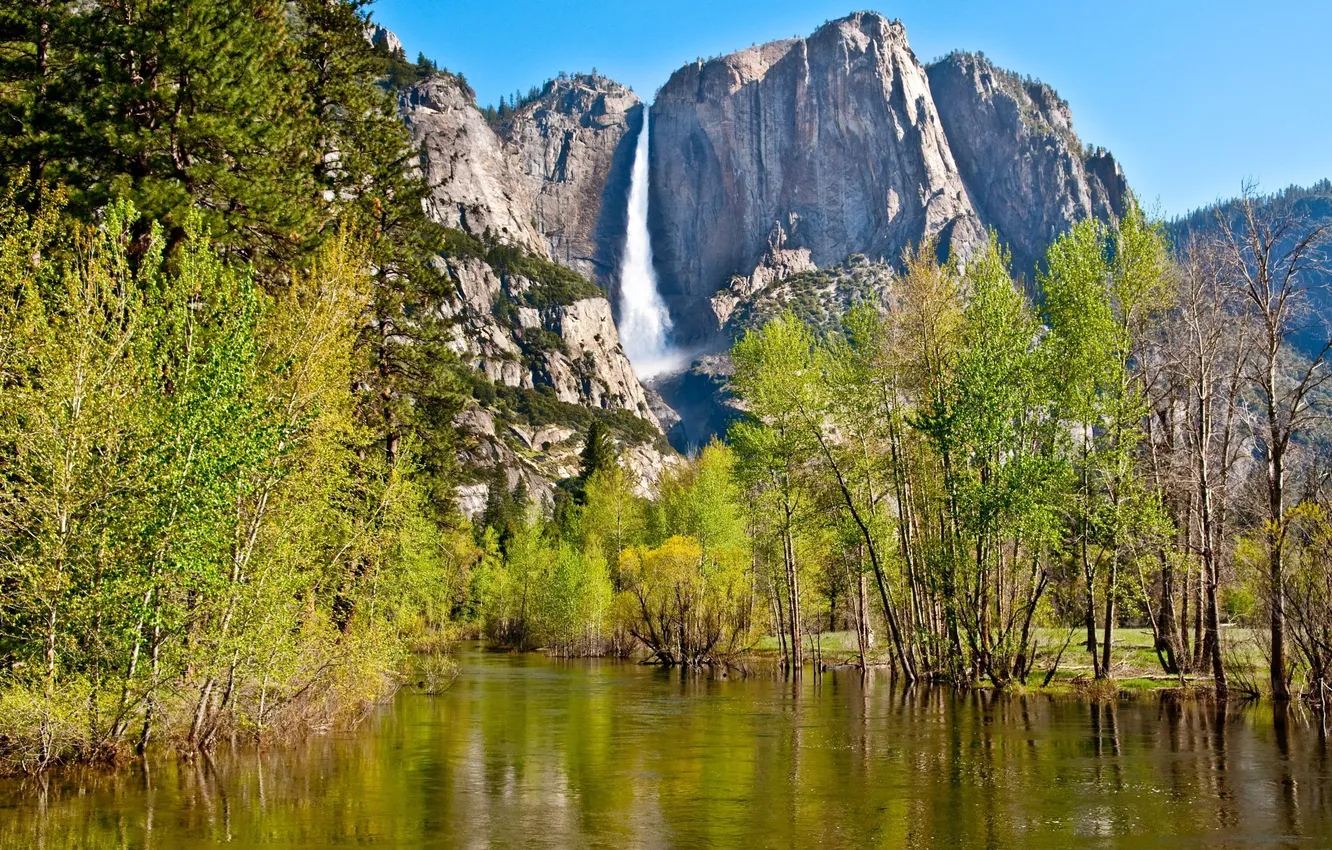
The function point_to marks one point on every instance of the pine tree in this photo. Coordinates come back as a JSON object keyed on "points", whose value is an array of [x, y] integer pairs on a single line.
{"points": [[598, 452], [194, 104], [363, 158], [35, 51]]}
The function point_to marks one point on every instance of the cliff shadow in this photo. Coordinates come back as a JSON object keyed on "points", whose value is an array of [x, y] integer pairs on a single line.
{"points": [[613, 220]]}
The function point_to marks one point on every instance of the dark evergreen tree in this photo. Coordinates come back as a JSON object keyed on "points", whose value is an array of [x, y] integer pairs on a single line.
{"points": [[363, 168], [186, 104], [35, 52], [598, 452]]}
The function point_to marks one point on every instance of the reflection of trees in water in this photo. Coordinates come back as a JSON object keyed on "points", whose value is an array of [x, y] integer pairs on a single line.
{"points": [[612, 754]]}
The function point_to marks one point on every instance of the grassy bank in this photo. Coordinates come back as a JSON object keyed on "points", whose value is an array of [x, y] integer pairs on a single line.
{"points": [[1135, 668]]}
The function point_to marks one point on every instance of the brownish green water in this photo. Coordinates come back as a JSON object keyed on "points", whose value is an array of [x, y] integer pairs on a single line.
{"points": [[525, 751]]}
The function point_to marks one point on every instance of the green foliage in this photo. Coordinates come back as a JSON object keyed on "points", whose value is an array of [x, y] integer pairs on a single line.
{"points": [[599, 453], [173, 108], [197, 538], [554, 285], [688, 598], [544, 592], [539, 406]]}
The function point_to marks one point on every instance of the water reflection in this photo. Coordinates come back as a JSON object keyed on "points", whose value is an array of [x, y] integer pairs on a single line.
{"points": [[529, 752]]}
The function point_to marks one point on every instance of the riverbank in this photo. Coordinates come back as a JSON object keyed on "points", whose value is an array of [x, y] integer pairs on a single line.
{"points": [[339, 697]]}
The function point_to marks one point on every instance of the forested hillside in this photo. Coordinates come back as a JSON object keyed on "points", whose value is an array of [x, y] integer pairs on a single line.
{"points": [[1301, 209]]}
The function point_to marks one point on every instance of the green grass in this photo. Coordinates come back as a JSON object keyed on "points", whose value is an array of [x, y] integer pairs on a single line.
{"points": [[1136, 668]]}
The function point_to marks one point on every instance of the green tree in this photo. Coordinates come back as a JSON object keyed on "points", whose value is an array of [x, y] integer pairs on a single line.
{"points": [[774, 370], [1004, 477], [599, 452], [1080, 366]]}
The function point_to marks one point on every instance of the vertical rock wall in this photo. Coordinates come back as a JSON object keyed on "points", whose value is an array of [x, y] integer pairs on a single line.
{"points": [[845, 143], [835, 138]]}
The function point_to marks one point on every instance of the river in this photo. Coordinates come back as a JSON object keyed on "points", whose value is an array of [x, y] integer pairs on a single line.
{"points": [[525, 751]]}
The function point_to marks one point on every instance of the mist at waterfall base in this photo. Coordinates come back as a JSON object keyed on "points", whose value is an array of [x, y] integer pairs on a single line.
{"points": [[645, 323]]}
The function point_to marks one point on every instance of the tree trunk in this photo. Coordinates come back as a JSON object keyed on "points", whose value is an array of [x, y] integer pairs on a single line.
{"points": [[1111, 595], [1208, 530], [1276, 473], [793, 598], [862, 620]]}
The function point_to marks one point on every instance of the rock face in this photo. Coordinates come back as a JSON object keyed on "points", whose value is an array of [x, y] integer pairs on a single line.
{"points": [[551, 178], [1025, 169], [474, 186], [383, 38], [777, 263], [595, 371], [571, 349], [569, 145], [543, 182], [844, 144], [564, 357], [835, 138]]}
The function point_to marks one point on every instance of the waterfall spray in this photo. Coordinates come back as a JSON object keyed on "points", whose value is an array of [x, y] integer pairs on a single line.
{"points": [[644, 320]]}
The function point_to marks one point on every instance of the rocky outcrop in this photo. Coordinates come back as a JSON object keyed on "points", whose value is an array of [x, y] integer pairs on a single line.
{"points": [[569, 143], [551, 177], [593, 369], [834, 137], [1027, 173], [566, 358], [383, 39], [572, 349], [777, 263], [538, 457], [818, 297]]}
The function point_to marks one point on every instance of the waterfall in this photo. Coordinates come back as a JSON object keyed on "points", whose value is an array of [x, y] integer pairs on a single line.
{"points": [[644, 321]]}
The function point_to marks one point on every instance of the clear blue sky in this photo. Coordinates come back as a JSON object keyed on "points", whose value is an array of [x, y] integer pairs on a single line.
{"points": [[1192, 96]]}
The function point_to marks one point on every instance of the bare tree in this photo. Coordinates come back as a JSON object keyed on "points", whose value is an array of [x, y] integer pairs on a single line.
{"points": [[1211, 345], [1270, 256]]}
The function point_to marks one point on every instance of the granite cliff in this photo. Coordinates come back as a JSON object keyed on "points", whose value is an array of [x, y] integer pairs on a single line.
{"points": [[1027, 174], [805, 151], [568, 144], [834, 139], [527, 205], [551, 177], [836, 152]]}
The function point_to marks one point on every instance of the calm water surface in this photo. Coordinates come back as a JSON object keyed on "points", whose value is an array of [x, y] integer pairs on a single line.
{"points": [[525, 751]]}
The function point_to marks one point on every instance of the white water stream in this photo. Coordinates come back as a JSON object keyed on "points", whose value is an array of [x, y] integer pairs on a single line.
{"points": [[645, 323]]}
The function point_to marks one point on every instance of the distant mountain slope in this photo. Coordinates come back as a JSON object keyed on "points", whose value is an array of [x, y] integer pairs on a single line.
{"points": [[1311, 206]]}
